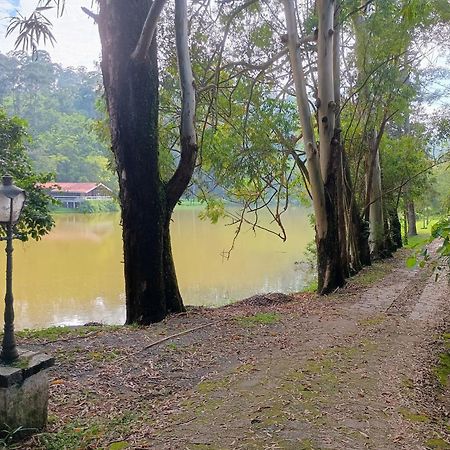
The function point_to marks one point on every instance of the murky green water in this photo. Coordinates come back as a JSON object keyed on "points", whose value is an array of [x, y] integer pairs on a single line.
{"points": [[75, 274]]}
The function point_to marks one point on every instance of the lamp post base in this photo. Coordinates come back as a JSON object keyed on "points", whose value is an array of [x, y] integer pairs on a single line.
{"points": [[24, 393], [9, 354]]}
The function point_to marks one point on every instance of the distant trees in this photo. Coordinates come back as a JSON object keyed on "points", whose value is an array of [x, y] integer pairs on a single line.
{"points": [[59, 106]]}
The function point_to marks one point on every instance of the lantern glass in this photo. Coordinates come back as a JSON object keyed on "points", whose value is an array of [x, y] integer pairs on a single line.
{"points": [[12, 200]]}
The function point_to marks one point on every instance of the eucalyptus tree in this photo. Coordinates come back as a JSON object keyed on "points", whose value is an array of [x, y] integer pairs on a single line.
{"points": [[130, 77], [388, 47]]}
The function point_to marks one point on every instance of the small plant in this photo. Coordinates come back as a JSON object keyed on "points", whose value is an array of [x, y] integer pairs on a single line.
{"points": [[10, 435]]}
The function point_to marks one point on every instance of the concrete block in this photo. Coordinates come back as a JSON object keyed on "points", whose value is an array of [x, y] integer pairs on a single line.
{"points": [[24, 393]]}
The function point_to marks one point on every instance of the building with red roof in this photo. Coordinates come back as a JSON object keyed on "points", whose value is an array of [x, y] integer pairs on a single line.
{"points": [[71, 195]]}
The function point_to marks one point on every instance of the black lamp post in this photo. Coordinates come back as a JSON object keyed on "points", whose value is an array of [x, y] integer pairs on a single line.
{"points": [[12, 200]]}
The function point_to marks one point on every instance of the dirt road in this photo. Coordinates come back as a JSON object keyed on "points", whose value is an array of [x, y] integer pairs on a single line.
{"points": [[355, 370]]}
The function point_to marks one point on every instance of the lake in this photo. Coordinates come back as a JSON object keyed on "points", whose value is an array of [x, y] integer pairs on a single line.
{"points": [[75, 274]]}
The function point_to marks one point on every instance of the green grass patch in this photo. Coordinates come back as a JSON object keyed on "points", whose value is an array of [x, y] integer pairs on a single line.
{"points": [[311, 287], [423, 235], [208, 386], [55, 333], [258, 319], [370, 275], [83, 435]]}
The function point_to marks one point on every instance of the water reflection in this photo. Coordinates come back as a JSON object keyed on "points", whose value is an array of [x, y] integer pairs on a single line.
{"points": [[75, 274]]}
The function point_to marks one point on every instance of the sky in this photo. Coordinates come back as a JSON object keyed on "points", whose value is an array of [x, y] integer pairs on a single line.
{"points": [[78, 43]]}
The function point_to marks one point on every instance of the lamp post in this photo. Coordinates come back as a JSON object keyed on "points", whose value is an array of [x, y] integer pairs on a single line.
{"points": [[12, 200]]}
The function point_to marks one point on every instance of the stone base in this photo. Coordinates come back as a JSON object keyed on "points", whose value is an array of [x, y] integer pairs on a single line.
{"points": [[24, 393]]}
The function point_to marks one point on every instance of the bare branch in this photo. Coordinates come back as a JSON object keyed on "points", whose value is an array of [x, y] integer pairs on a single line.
{"points": [[90, 13]]}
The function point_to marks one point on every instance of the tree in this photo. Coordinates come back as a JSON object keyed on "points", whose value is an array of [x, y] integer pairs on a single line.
{"points": [[36, 220], [130, 78], [323, 167]]}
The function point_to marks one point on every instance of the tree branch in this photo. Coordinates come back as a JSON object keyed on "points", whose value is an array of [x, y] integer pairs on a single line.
{"points": [[148, 31], [91, 14], [188, 138]]}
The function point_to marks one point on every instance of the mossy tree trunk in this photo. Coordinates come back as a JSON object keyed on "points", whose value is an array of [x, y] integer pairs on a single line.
{"points": [[130, 75]]}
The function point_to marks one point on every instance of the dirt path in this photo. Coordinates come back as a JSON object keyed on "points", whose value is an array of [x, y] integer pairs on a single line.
{"points": [[351, 371]]}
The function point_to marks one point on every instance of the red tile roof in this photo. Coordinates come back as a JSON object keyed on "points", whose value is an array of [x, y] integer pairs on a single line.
{"points": [[83, 188]]}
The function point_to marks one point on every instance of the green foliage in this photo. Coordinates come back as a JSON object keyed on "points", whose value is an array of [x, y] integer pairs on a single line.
{"points": [[437, 443], [36, 220], [442, 230], [439, 230], [98, 206], [215, 210], [442, 369]]}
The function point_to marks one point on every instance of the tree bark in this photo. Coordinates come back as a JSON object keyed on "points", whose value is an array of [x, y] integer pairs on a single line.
{"points": [[131, 87], [376, 219]]}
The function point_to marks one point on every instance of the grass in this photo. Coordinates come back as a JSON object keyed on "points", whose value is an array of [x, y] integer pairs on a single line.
{"points": [[55, 333], [423, 235], [208, 386], [311, 287], [371, 274], [81, 435], [258, 319]]}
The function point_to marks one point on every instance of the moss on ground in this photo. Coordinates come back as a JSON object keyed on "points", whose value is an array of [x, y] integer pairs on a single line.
{"points": [[268, 318], [208, 386], [370, 275], [413, 416], [372, 321], [442, 369], [55, 333], [437, 444]]}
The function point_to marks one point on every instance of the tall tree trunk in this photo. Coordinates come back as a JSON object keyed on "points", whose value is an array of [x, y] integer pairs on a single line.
{"points": [[342, 200], [321, 169], [412, 226], [376, 219], [329, 249], [131, 87]]}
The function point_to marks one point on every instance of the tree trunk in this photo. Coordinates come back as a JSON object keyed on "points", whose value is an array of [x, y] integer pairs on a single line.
{"points": [[376, 220], [405, 227], [395, 228], [412, 226], [322, 169], [131, 88], [329, 264]]}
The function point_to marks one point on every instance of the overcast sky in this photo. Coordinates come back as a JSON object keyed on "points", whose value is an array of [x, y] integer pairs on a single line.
{"points": [[77, 38]]}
